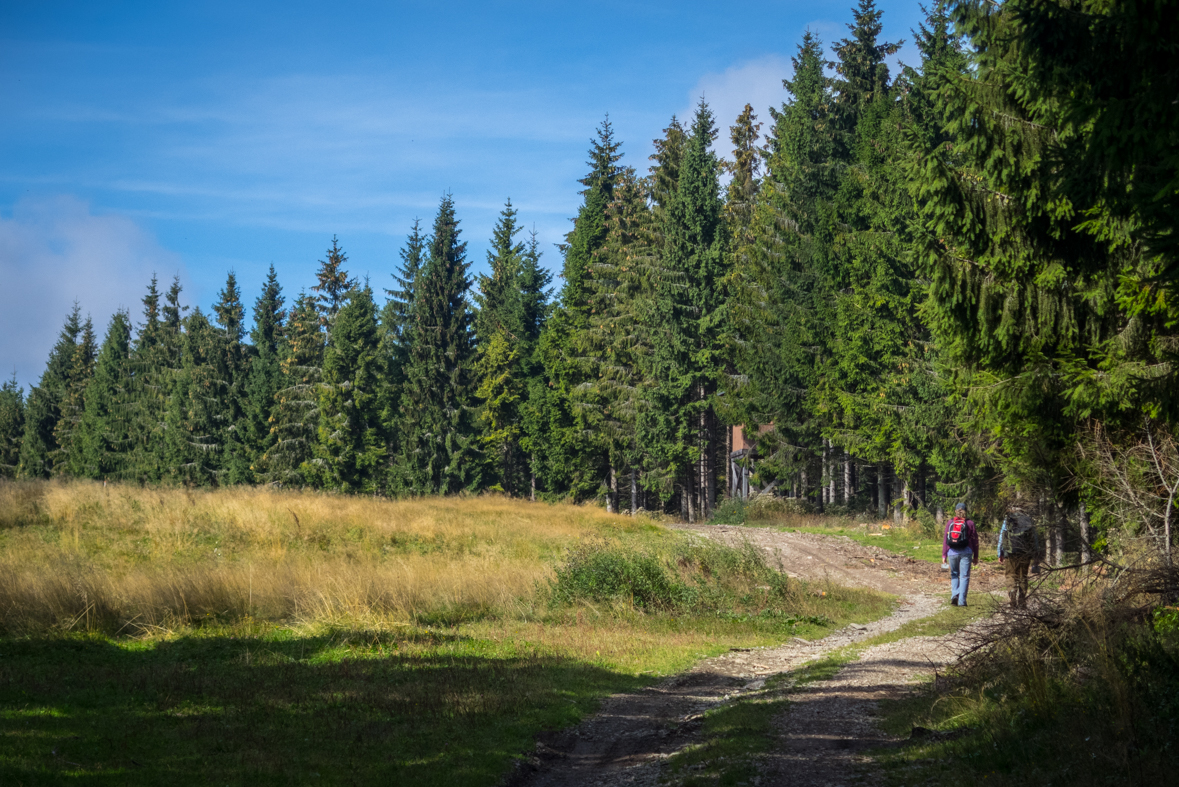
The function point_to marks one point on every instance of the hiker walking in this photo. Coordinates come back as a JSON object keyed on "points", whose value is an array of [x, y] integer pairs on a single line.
{"points": [[1019, 549], [959, 550]]}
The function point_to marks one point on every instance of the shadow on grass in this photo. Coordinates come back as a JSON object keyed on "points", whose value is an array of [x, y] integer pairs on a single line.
{"points": [[360, 709]]}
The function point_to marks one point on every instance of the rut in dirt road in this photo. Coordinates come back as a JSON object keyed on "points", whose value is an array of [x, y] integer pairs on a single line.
{"points": [[828, 723]]}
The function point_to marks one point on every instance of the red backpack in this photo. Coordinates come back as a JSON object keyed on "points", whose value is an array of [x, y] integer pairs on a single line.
{"points": [[957, 535]]}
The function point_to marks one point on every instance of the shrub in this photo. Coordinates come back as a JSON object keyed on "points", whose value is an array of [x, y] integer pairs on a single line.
{"points": [[690, 577], [731, 511], [599, 572]]}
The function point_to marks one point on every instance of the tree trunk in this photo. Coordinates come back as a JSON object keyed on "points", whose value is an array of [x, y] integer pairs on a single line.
{"points": [[803, 491], [710, 465], [532, 494], [831, 465], [847, 479], [612, 494], [898, 494], [906, 501], [634, 492], [690, 493], [1058, 520], [1086, 540], [730, 468], [881, 490]]}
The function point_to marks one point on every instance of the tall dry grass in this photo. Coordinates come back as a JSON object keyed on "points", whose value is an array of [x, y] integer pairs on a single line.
{"points": [[119, 558]]}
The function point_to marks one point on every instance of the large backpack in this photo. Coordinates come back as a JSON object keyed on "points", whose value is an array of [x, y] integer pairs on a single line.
{"points": [[956, 534], [1020, 539]]}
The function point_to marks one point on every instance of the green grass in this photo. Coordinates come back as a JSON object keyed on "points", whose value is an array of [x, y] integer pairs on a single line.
{"points": [[265, 704], [330, 646]]}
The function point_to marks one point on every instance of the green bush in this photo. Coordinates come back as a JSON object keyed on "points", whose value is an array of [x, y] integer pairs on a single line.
{"points": [[598, 572], [690, 577], [731, 511]]}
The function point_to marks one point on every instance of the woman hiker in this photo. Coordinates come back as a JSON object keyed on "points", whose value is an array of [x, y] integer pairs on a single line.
{"points": [[1019, 548], [959, 549]]}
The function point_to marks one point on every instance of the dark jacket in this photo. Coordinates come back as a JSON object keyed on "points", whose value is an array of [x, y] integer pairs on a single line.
{"points": [[1005, 549], [971, 535]]}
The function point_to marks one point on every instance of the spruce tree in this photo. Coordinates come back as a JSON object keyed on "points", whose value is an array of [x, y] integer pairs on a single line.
{"points": [[105, 428], [12, 426], [332, 283], [689, 314], [862, 73], [296, 414], [68, 459], [395, 315], [617, 343], [1021, 298], [573, 458], [781, 311], [196, 424], [500, 295], [235, 457], [745, 169], [156, 362], [501, 391], [534, 297], [43, 407], [264, 379], [500, 336], [349, 454], [534, 284], [668, 158], [438, 452]]}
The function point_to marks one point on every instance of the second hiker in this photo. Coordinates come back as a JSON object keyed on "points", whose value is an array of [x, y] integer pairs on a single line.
{"points": [[960, 550], [1019, 548]]}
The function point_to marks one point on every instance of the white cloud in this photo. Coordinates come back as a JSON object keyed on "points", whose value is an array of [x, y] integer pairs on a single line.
{"points": [[54, 251], [757, 82]]}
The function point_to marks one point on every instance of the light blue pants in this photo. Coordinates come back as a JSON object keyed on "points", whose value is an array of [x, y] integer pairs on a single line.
{"points": [[959, 560]]}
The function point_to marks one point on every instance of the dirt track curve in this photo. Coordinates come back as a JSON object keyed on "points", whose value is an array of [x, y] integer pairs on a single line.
{"points": [[827, 726]]}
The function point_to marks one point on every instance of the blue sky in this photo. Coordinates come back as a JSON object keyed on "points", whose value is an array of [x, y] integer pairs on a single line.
{"points": [[191, 139]]}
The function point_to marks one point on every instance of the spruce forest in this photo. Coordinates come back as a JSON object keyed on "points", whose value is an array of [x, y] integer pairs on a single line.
{"points": [[953, 280]]}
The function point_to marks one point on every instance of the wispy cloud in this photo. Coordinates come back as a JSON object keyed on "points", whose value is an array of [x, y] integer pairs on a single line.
{"points": [[54, 251], [756, 82]]}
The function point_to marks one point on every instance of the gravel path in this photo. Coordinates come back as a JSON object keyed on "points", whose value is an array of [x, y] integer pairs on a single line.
{"points": [[828, 725]]}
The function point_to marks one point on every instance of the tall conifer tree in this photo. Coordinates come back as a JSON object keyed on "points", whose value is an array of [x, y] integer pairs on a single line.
{"points": [[438, 452], [332, 283], [43, 408], [230, 315], [575, 460], [264, 379], [68, 459], [349, 455], [689, 309], [196, 425], [395, 316], [105, 428], [296, 414], [12, 426]]}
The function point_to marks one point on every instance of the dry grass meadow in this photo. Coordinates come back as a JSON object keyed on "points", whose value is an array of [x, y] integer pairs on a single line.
{"points": [[124, 559], [253, 636]]}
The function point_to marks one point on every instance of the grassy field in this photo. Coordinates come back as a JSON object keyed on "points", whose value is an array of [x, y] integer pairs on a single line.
{"points": [[280, 638]]}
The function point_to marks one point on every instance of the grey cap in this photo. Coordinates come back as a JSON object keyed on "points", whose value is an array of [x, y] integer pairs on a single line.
{"points": [[960, 507]]}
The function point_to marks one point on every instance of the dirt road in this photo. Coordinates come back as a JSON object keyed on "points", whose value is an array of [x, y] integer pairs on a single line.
{"points": [[821, 737]]}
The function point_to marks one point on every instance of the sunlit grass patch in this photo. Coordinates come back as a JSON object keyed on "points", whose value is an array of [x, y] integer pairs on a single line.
{"points": [[162, 635]]}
